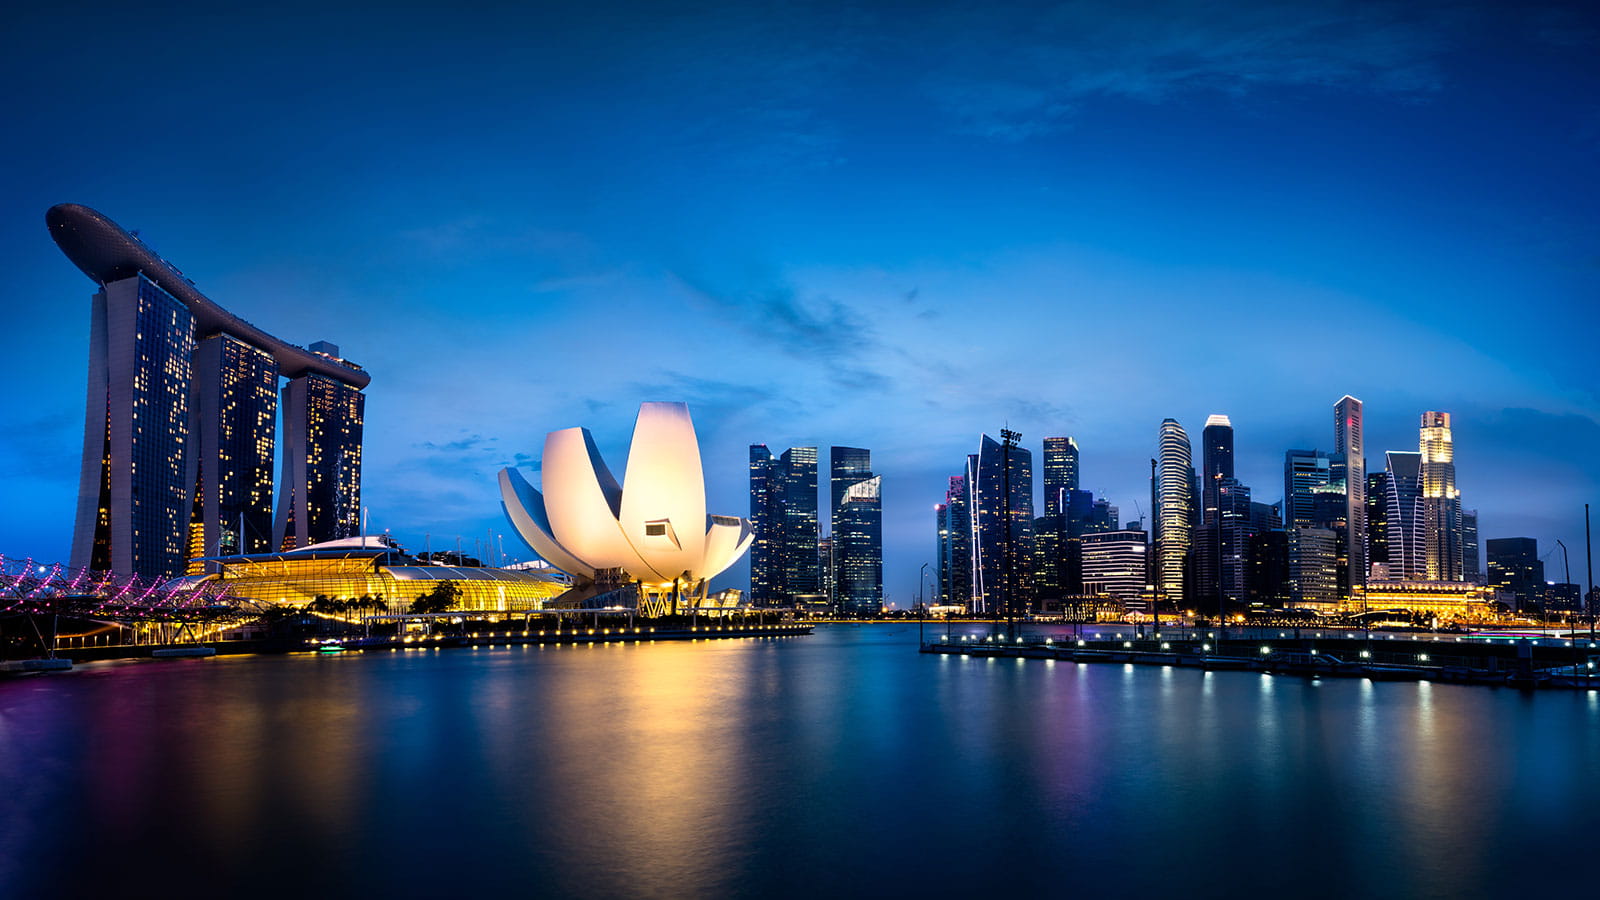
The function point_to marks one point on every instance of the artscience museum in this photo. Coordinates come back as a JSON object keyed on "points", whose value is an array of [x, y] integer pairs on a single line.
{"points": [[649, 534]]}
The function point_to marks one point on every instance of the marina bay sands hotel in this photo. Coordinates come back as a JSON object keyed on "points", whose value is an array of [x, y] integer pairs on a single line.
{"points": [[181, 422]]}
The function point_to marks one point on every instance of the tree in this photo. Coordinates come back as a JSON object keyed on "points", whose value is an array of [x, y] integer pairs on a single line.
{"points": [[443, 597]]}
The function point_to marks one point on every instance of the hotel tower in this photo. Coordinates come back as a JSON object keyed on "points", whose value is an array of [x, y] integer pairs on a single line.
{"points": [[181, 417]]}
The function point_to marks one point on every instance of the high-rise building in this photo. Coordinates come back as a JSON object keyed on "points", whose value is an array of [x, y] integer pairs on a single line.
{"points": [[1314, 568], [955, 544], [1114, 564], [1174, 506], [236, 411], [1349, 448], [1514, 566], [858, 546], [1060, 473], [1267, 578], [828, 562], [1441, 502], [320, 494], [1378, 523], [1003, 523], [1050, 558], [179, 421], [846, 466], [1303, 472], [1216, 464], [1471, 567], [1222, 549], [857, 522], [1403, 517], [763, 527], [783, 514]]}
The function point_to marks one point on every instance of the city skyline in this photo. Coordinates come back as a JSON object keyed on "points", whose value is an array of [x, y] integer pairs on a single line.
{"points": [[830, 285]]}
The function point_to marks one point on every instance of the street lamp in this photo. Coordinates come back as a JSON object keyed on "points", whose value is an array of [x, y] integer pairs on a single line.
{"points": [[922, 604]]}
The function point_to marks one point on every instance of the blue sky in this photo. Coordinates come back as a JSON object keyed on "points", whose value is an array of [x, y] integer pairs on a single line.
{"points": [[883, 225]]}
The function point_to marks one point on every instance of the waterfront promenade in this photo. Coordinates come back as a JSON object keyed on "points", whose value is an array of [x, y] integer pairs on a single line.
{"points": [[1546, 662], [485, 636]]}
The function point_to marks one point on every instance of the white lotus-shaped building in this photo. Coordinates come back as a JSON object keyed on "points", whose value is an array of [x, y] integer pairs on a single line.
{"points": [[653, 527]]}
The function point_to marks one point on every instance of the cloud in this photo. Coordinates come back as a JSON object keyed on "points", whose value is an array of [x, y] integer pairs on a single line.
{"points": [[1017, 76], [719, 403], [816, 330], [457, 446]]}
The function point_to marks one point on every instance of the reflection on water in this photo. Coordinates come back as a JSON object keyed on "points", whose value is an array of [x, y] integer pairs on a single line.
{"points": [[843, 763]]}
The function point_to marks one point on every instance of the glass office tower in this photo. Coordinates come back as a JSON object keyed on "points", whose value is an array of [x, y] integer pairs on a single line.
{"points": [[856, 517], [1216, 464], [1004, 486], [955, 544], [1404, 517], [785, 566], [858, 543], [1060, 473]]}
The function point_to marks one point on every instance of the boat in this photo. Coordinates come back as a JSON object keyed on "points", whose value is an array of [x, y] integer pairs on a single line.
{"points": [[1391, 673], [1232, 663], [1303, 662], [34, 666], [182, 652]]}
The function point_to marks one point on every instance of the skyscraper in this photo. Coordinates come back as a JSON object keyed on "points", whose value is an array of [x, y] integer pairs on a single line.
{"points": [[320, 497], [1173, 509], [1403, 530], [1314, 567], [1441, 502], [1514, 566], [1060, 472], [1004, 485], [1350, 449], [1217, 463], [1306, 475], [858, 544], [783, 513], [1378, 522], [846, 466], [179, 421], [1303, 471], [955, 544], [1222, 548], [236, 409], [1471, 566], [856, 517]]}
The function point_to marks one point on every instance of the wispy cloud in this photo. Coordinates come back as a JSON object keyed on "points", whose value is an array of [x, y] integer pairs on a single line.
{"points": [[1018, 75], [817, 329]]}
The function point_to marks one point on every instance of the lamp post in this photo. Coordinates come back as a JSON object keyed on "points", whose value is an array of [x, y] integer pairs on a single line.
{"points": [[1566, 566], [1588, 595], [922, 604]]}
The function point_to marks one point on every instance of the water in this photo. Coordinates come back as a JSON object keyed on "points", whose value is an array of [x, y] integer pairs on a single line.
{"points": [[841, 764]]}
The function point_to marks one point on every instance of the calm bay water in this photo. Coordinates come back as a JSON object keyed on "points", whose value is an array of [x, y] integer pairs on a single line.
{"points": [[840, 764]]}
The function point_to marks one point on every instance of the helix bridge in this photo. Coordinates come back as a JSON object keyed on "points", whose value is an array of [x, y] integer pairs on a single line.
{"points": [[33, 588]]}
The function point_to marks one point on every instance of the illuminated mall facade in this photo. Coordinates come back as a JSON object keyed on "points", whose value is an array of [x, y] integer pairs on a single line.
{"points": [[380, 576], [180, 423]]}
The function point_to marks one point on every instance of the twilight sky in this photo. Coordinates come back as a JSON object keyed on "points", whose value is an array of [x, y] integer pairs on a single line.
{"points": [[894, 226]]}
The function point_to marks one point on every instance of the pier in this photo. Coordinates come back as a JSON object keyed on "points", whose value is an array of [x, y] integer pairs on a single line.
{"points": [[1569, 663]]}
